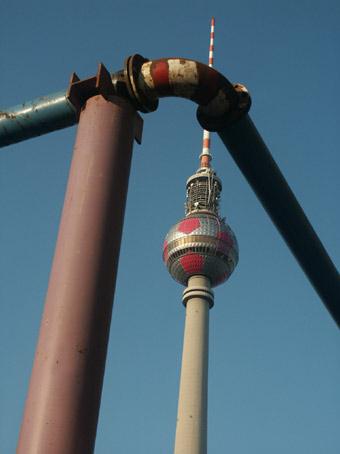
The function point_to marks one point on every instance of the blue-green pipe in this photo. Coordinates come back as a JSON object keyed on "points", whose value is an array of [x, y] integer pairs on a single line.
{"points": [[257, 165], [33, 118]]}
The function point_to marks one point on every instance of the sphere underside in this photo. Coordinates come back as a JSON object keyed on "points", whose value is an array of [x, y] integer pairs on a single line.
{"points": [[200, 244]]}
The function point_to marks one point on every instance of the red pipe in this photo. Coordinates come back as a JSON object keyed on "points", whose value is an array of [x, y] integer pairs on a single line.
{"points": [[64, 395]]}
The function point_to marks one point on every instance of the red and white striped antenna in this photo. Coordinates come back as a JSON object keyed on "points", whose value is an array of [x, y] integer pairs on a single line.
{"points": [[205, 156]]}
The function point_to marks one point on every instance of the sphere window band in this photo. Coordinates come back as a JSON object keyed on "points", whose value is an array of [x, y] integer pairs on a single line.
{"points": [[196, 243]]}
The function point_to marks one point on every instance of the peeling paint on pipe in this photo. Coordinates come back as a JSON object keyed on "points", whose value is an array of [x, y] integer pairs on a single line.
{"points": [[143, 82], [37, 117], [219, 100]]}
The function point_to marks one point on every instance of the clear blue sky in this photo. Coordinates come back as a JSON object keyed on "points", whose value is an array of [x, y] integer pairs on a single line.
{"points": [[274, 350]]}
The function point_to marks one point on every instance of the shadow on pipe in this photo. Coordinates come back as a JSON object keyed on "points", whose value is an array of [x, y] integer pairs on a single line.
{"points": [[264, 176]]}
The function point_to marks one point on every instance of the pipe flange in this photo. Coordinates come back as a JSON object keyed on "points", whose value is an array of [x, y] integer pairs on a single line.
{"points": [[132, 70]]}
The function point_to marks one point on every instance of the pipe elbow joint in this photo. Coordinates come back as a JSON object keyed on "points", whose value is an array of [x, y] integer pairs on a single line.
{"points": [[215, 118], [219, 101]]}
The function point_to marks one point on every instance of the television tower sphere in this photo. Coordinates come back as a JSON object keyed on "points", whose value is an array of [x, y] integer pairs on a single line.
{"points": [[201, 243]]}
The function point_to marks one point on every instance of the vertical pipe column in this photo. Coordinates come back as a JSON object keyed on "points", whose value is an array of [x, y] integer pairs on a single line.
{"points": [[63, 400], [191, 429]]}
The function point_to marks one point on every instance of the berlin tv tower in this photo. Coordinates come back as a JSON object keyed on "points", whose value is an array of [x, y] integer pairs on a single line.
{"points": [[200, 252]]}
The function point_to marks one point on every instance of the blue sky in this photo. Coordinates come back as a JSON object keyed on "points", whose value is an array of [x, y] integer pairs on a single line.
{"points": [[274, 368]]}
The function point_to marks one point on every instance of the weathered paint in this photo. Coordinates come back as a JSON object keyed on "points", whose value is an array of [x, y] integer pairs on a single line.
{"points": [[33, 118], [160, 75], [143, 84], [183, 71], [185, 78], [145, 76], [217, 97], [219, 105], [181, 77]]}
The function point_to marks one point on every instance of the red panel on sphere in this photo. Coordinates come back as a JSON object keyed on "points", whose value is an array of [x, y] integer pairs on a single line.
{"points": [[225, 237], [225, 242], [223, 247], [223, 277], [165, 251], [189, 225], [192, 263]]}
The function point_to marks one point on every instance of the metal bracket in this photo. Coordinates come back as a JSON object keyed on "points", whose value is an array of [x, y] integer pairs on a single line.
{"points": [[79, 91]]}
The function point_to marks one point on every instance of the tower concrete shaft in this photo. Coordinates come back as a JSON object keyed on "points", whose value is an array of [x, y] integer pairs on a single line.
{"points": [[191, 429]]}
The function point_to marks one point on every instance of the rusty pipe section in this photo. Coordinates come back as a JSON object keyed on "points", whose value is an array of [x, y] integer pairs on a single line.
{"points": [[142, 82], [219, 100]]}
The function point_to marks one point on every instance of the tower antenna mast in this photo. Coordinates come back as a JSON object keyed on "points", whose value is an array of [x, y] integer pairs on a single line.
{"points": [[205, 156]]}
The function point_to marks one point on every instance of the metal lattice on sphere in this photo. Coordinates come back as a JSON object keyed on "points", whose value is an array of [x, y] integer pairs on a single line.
{"points": [[201, 244]]}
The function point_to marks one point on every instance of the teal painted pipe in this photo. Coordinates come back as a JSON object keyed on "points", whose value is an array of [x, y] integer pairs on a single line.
{"points": [[264, 176], [33, 118]]}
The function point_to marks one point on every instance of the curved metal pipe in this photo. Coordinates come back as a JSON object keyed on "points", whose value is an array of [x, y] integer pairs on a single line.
{"points": [[219, 101], [142, 82]]}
